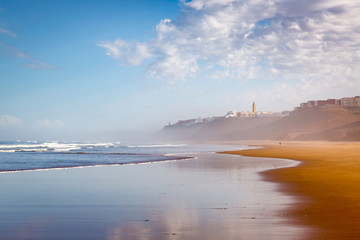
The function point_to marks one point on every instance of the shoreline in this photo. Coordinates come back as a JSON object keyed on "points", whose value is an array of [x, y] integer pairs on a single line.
{"points": [[326, 182], [178, 158]]}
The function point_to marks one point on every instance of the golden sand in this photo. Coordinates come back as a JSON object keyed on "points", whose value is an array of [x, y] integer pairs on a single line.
{"points": [[328, 180]]}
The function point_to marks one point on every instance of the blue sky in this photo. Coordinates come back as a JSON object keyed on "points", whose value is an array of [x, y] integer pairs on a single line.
{"points": [[78, 70]]}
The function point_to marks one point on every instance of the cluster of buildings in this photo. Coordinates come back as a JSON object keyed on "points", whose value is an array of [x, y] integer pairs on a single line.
{"points": [[346, 102], [230, 114], [190, 122], [234, 114], [254, 113]]}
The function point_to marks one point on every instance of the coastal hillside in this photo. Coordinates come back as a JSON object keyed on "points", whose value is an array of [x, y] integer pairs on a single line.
{"points": [[347, 132], [333, 123], [218, 129]]}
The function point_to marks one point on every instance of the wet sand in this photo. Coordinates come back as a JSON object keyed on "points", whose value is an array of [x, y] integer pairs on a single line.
{"points": [[327, 181], [216, 196]]}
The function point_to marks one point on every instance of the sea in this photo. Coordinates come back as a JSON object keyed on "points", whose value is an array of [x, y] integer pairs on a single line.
{"points": [[47, 155]]}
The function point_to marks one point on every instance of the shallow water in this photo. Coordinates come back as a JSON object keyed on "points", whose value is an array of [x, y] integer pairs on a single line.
{"points": [[34, 155], [215, 196]]}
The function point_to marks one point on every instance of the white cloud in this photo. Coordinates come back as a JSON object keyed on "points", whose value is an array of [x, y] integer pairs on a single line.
{"points": [[310, 43], [200, 4], [46, 123], [35, 64], [114, 49], [125, 52], [7, 121], [5, 31], [13, 52], [28, 61]]}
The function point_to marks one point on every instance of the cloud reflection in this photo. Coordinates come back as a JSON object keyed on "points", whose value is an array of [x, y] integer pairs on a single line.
{"points": [[218, 199]]}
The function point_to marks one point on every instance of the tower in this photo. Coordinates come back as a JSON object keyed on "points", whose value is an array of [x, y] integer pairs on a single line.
{"points": [[254, 107]]}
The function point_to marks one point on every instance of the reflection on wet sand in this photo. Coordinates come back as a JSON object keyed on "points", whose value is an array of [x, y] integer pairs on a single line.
{"points": [[212, 197], [247, 211]]}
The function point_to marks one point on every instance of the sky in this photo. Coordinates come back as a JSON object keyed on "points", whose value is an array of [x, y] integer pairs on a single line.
{"points": [[107, 70]]}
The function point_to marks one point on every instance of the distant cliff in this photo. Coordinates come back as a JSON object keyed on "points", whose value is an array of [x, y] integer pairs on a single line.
{"points": [[331, 122]]}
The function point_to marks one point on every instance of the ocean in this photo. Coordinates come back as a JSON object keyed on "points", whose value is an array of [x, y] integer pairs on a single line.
{"points": [[38, 155]]}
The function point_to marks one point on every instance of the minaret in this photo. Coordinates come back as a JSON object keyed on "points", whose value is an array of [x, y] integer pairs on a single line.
{"points": [[254, 107]]}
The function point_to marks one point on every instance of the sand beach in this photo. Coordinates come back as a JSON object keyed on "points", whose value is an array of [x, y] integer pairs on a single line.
{"points": [[327, 182]]}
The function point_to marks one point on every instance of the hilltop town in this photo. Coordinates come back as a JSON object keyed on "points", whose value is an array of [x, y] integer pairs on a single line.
{"points": [[331, 119], [346, 102], [230, 114]]}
